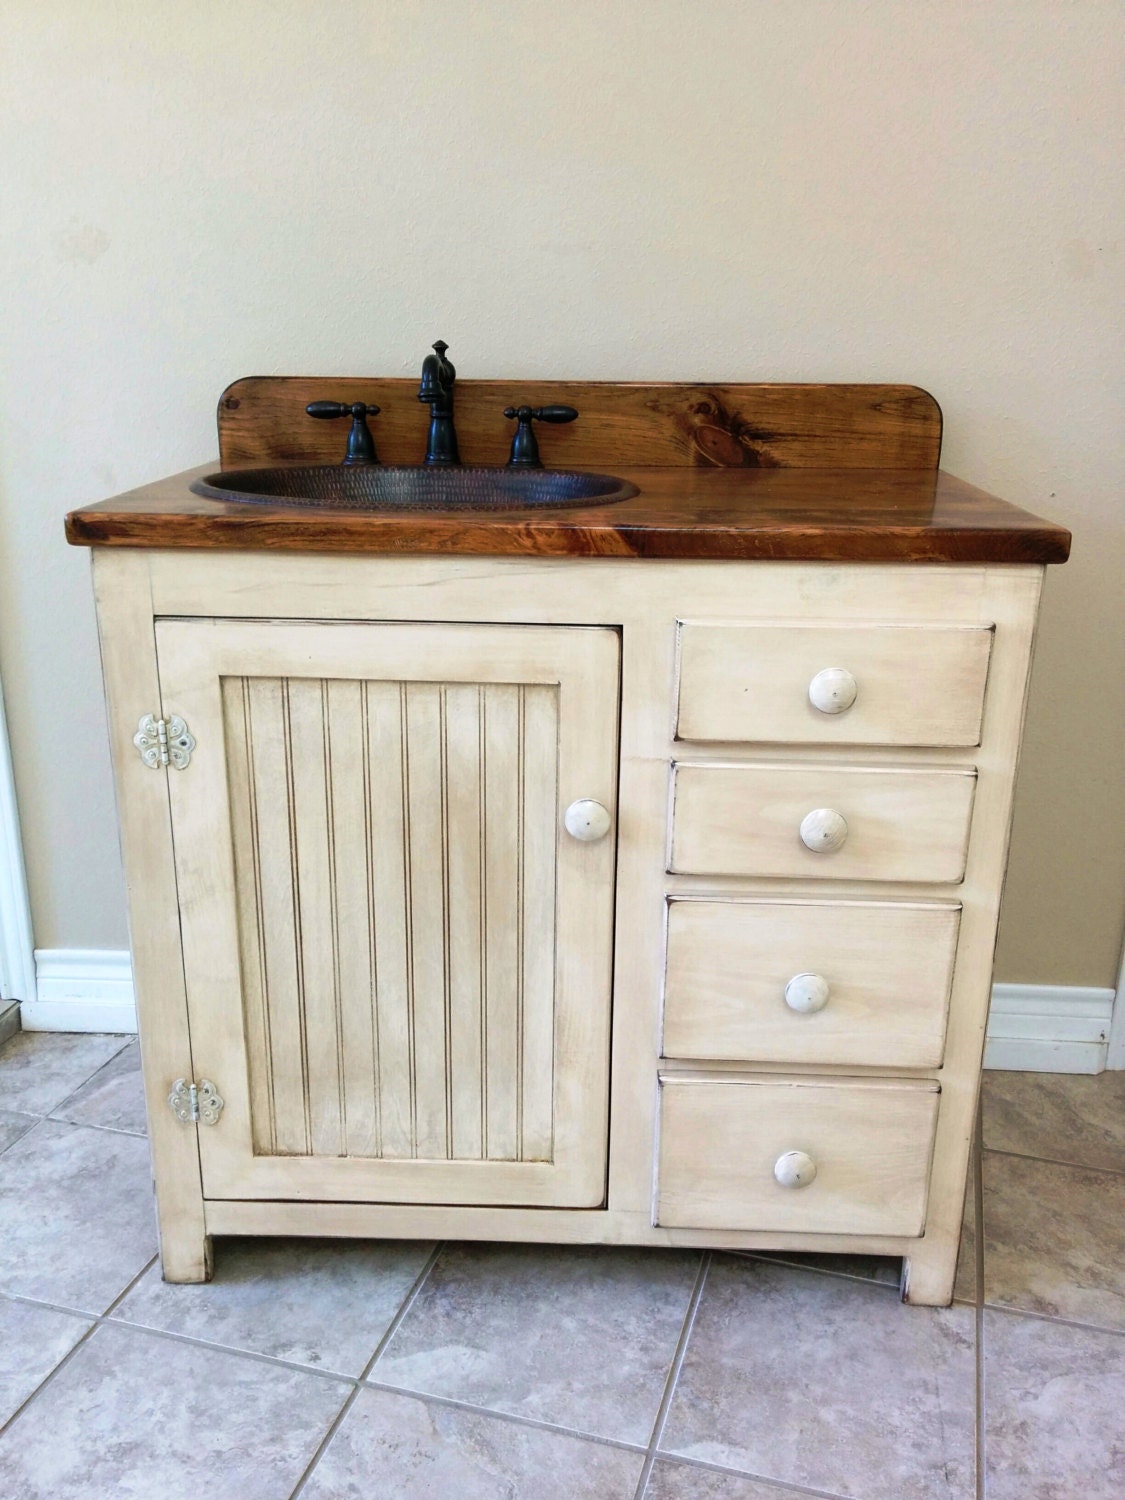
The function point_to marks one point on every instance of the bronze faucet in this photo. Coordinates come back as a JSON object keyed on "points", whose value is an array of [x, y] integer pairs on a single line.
{"points": [[438, 376]]}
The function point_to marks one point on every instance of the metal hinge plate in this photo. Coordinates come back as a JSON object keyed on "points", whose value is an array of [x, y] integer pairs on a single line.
{"points": [[195, 1104], [164, 742]]}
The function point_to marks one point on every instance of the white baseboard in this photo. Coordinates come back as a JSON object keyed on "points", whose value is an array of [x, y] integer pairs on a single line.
{"points": [[1046, 1028], [81, 989], [1033, 1028]]}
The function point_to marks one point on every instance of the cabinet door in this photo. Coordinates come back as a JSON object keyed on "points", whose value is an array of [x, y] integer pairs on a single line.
{"points": [[398, 962]]}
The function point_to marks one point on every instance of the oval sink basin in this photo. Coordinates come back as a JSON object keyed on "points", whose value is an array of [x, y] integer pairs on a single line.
{"points": [[379, 487]]}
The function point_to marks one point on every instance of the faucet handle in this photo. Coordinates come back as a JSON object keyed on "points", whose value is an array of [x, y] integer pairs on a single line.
{"points": [[525, 447], [361, 445]]}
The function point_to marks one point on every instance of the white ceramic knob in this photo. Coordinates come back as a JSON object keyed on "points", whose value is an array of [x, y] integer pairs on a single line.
{"points": [[807, 993], [586, 820], [833, 690], [823, 830], [794, 1169]]}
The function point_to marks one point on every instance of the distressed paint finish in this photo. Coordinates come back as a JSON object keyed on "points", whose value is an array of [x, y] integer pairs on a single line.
{"points": [[396, 879]]}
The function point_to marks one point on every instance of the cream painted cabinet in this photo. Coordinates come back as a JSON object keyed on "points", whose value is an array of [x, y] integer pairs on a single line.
{"points": [[396, 957], [577, 899]]}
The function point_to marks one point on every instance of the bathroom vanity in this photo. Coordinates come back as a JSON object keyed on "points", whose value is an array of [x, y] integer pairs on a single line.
{"points": [[622, 873]]}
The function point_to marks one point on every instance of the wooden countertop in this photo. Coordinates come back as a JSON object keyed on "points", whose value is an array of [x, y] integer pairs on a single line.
{"points": [[831, 514], [823, 472]]}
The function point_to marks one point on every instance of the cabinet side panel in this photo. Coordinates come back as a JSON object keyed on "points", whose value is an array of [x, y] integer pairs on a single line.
{"points": [[125, 626]]}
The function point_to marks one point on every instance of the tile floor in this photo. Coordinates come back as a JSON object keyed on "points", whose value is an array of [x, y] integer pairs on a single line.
{"points": [[357, 1371]]}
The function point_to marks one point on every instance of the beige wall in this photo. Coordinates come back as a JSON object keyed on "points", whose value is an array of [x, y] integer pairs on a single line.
{"points": [[753, 190]]}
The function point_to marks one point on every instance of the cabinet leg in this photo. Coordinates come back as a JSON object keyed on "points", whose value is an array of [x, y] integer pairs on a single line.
{"points": [[185, 1255], [928, 1273]]}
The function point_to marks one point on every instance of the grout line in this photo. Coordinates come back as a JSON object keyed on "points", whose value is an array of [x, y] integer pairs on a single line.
{"points": [[1038, 1317], [35, 1120], [452, 1404], [979, 1440], [66, 1098], [407, 1303], [55, 1119], [673, 1374], [69, 1355], [783, 1486], [59, 1307], [1055, 1161], [137, 1135], [771, 1259], [254, 1354], [120, 1298], [392, 1329]]}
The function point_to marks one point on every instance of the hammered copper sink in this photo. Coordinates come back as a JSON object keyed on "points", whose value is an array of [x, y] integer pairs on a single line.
{"points": [[406, 487]]}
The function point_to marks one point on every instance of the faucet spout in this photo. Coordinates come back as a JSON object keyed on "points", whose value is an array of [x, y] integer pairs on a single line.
{"points": [[436, 390]]}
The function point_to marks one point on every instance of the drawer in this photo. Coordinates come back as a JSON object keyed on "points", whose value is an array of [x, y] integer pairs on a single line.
{"points": [[874, 684], [811, 822], [812, 1155], [809, 981]]}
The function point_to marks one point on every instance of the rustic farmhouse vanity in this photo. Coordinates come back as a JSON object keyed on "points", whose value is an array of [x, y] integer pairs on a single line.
{"points": [[620, 872]]}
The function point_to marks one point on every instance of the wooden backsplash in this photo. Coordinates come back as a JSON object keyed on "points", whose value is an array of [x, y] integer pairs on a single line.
{"points": [[262, 421]]}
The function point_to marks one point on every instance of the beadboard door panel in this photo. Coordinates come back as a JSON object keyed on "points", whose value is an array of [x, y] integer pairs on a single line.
{"points": [[376, 886]]}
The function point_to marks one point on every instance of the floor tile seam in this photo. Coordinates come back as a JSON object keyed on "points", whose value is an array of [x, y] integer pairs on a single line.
{"points": [[665, 1455], [48, 1306], [86, 1082], [1038, 1317], [51, 1119], [84, 1312], [95, 1323], [674, 1368], [83, 1338], [337, 1377], [404, 1308], [1054, 1161], [322, 1447], [338, 1420], [796, 1265], [518, 1419], [57, 1119], [17, 1138], [66, 1098]]}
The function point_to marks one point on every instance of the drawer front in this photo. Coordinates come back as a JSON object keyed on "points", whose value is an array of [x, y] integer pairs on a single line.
{"points": [[874, 684], [809, 982], [832, 822], [855, 1156]]}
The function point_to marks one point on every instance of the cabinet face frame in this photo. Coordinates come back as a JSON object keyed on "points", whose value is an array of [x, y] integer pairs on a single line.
{"points": [[195, 657], [643, 599]]}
